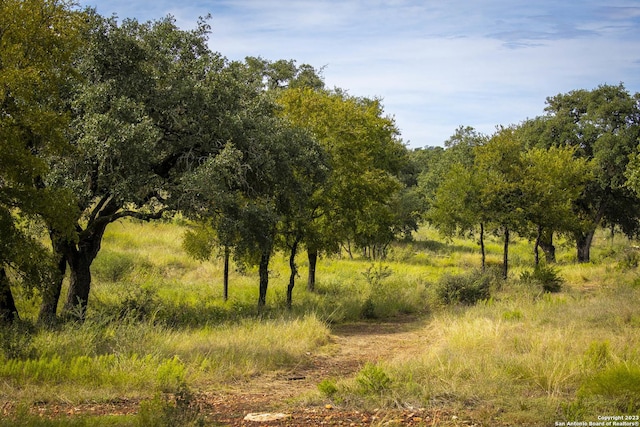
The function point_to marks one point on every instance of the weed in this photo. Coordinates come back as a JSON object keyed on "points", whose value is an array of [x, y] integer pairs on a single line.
{"points": [[598, 356], [16, 341], [170, 410], [372, 379], [328, 388], [545, 276]]}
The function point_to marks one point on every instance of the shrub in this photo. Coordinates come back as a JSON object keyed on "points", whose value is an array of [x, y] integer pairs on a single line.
{"points": [[372, 379], [166, 410], [328, 388], [546, 277], [464, 289]]}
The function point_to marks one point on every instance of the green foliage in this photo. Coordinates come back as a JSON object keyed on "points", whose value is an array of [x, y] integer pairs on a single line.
{"points": [[620, 383], [199, 243], [114, 266], [328, 387], [376, 274], [467, 289], [16, 341], [39, 41], [373, 380], [140, 303], [630, 259], [171, 375], [544, 276]]}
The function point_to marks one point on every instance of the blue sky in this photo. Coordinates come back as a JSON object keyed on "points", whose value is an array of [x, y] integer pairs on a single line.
{"points": [[435, 64]]}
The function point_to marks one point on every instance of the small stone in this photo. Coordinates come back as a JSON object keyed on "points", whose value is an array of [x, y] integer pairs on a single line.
{"points": [[266, 417], [327, 406]]}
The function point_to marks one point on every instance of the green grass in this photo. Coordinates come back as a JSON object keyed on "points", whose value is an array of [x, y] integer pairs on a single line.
{"points": [[157, 323]]}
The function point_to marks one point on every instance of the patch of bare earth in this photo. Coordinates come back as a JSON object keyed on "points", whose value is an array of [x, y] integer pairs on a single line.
{"points": [[352, 346]]}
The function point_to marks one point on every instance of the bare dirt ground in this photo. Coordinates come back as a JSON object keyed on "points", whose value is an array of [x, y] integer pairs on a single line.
{"points": [[352, 346]]}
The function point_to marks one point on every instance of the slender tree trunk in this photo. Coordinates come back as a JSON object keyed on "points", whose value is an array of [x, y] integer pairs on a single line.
{"points": [[546, 243], [312, 254], [264, 278], [583, 244], [482, 249], [8, 310], [51, 295], [536, 251], [505, 259], [292, 276], [225, 284]]}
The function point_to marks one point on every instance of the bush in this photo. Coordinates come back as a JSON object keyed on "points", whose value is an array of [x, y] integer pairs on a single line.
{"points": [[328, 388], [465, 289], [372, 379], [546, 277]]}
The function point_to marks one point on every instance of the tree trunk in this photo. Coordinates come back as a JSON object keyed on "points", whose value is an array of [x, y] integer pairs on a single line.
{"points": [[583, 244], [264, 279], [51, 295], [80, 258], [292, 276], [79, 286], [8, 310], [225, 284], [505, 258], [536, 251], [313, 261], [546, 244], [482, 249]]}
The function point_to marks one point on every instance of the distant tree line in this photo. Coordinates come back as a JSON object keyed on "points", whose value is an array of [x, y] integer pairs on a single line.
{"points": [[102, 120]]}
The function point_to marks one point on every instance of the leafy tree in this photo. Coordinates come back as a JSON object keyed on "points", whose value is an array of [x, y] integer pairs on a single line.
{"points": [[266, 196], [154, 105], [452, 188], [501, 170], [603, 125], [37, 42], [354, 205], [553, 179]]}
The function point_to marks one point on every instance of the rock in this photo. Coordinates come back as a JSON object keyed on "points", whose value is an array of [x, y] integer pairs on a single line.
{"points": [[261, 418]]}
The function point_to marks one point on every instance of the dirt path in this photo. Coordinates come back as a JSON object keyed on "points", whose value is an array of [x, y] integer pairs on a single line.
{"points": [[351, 347]]}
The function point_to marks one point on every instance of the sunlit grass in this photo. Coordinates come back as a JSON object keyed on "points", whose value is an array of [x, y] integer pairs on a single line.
{"points": [[156, 320]]}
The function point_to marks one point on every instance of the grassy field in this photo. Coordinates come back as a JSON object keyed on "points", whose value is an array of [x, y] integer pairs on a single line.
{"points": [[157, 325]]}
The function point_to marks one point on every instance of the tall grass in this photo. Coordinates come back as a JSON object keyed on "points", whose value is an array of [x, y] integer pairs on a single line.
{"points": [[504, 351], [522, 357]]}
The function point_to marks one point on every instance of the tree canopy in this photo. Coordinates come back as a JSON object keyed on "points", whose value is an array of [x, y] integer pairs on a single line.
{"points": [[102, 120]]}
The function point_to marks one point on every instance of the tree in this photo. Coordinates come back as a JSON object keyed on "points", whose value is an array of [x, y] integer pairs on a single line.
{"points": [[154, 105], [37, 41], [553, 179], [500, 169], [263, 197], [365, 154], [604, 126], [452, 188]]}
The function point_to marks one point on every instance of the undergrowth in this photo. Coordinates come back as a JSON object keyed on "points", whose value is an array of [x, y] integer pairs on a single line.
{"points": [[548, 344]]}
